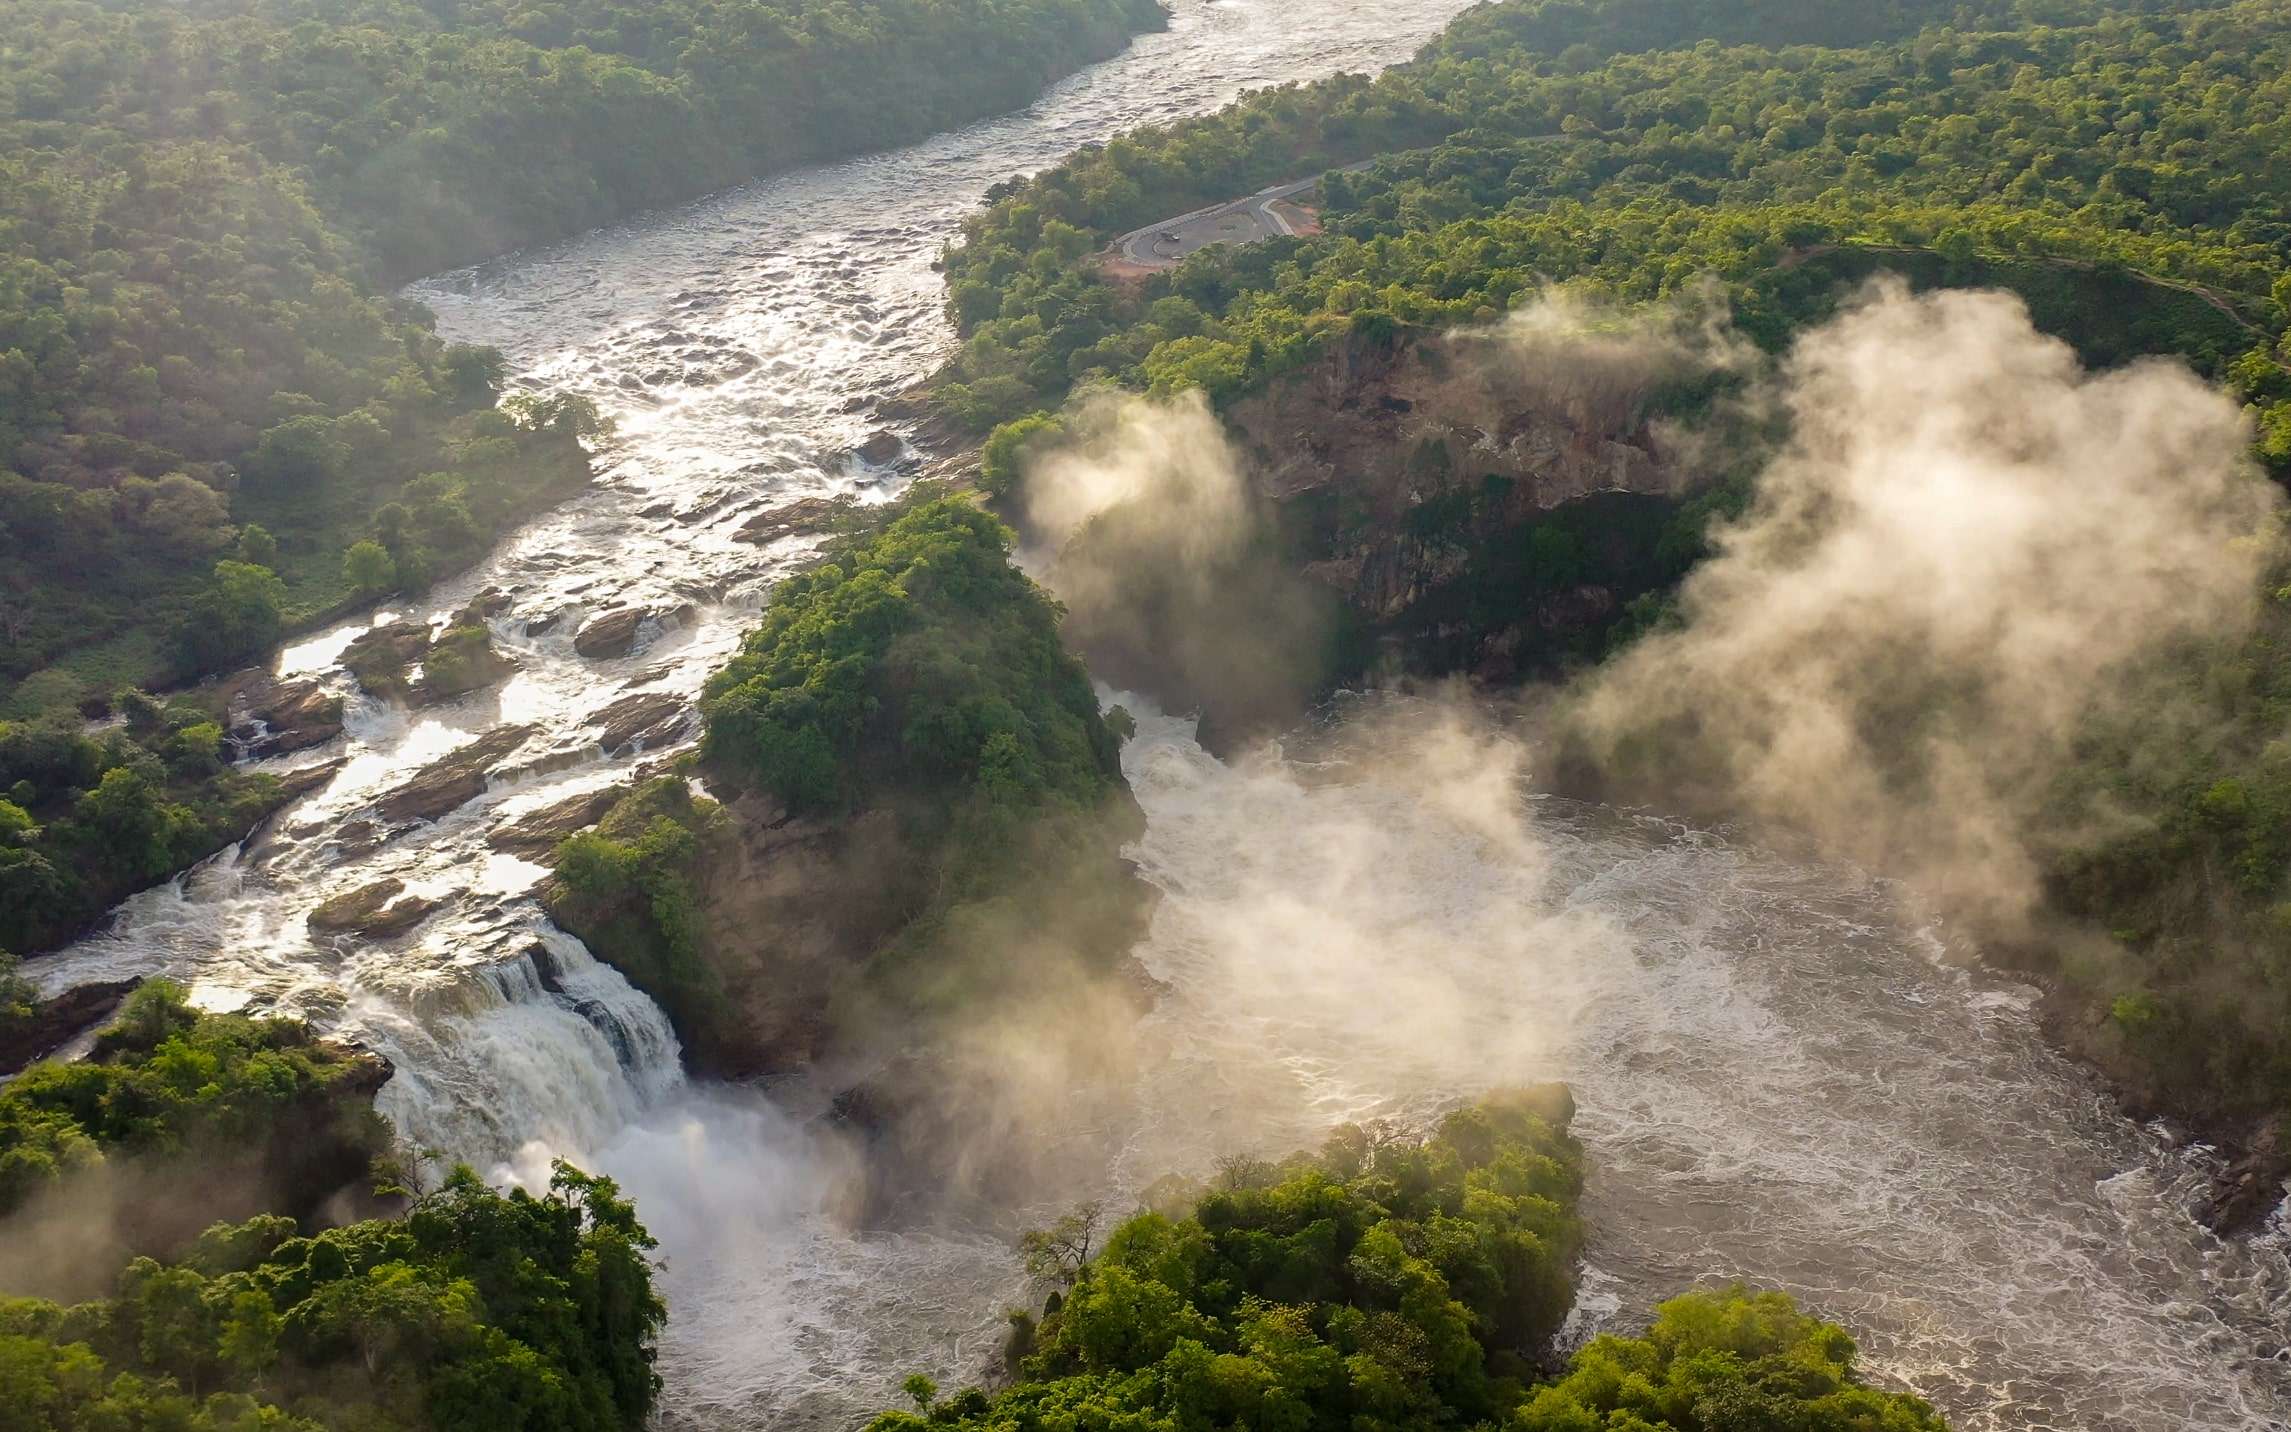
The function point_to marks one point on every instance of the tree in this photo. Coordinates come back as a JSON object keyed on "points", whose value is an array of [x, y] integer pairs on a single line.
{"points": [[474, 375], [368, 568], [126, 824], [1723, 1360], [1058, 1254], [238, 615], [257, 546]]}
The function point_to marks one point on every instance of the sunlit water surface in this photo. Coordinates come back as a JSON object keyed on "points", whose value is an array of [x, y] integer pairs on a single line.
{"points": [[1780, 1080]]}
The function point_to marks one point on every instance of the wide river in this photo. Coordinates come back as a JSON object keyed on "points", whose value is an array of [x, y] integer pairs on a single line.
{"points": [[1782, 1077]]}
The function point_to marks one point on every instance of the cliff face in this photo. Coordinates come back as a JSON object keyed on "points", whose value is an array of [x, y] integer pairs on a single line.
{"points": [[789, 913], [1429, 505], [822, 948], [1392, 427], [1403, 473]]}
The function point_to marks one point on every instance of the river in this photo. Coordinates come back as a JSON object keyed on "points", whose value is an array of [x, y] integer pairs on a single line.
{"points": [[1782, 1077]]}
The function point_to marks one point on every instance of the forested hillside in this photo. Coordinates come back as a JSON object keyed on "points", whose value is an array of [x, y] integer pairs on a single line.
{"points": [[2125, 169], [202, 205], [220, 1159], [2150, 142], [906, 722]]}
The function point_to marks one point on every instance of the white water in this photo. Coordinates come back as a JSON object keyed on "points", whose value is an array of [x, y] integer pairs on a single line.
{"points": [[1778, 1082]]}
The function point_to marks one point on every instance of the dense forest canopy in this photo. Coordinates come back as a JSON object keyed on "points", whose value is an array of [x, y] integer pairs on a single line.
{"points": [[915, 673], [1391, 1282], [2154, 142], [476, 1309], [200, 206]]}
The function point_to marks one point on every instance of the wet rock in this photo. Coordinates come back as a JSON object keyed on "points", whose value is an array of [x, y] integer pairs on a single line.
{"points": [[454, 780], [272, 717], [609, 634], [647, 718], [657, 510], [2249, 1189], [534, 836], [463, 659], [377, 912], [881, 448], [491, 602], [541, 626], [801, 518], [546, 763], [54, 1023], [382, 659], [709, 505], [292, 785]]}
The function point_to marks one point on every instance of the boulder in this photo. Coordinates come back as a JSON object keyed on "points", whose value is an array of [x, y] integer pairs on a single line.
{"points": [[382, 658], [377, 912], [451, 781], [882, 447], [462, 660], [801, 518], [534, 836], [647, 718], [272, 717], [293, 785], [2249, 1189], [609, 634]]}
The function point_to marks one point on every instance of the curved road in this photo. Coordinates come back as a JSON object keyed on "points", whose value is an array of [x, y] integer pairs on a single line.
{"points": [[1242, 221]]}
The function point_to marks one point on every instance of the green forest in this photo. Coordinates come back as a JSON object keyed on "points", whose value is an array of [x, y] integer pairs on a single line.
{"points": [[2125, 169], [463, 1308], [219, 426], [216, 424], [911, 670], [89, 818], [1390, 1283]]}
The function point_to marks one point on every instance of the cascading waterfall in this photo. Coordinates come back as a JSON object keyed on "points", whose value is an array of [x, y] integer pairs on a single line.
{"points": [[1779, 1079]]}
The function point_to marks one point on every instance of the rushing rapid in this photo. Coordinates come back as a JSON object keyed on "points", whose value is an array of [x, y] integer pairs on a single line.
{"points": [[1781, 1079]]}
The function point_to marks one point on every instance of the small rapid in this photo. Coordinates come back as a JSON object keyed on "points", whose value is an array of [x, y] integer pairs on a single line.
{"points": [[1781, 1078]]}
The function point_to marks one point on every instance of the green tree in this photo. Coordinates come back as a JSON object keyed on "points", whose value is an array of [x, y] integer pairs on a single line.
{"points": [[237, 616], [367, 567]]}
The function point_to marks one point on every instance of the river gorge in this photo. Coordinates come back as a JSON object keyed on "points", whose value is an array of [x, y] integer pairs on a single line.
{"points": [[1787, 1075]]}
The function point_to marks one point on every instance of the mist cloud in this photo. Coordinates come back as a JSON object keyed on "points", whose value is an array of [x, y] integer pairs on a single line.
{"points": [[1164, 555], [1967, 547]]}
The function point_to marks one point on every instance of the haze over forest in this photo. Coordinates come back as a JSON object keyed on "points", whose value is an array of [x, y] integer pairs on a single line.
{"points": [[1168, 715]]}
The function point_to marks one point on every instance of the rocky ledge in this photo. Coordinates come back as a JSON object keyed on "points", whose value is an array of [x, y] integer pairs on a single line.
{"points": [[54, 1023], [452, 781]]}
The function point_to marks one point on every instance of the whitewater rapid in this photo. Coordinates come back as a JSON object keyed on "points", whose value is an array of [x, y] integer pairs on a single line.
{"points": [[1781, 1079]]}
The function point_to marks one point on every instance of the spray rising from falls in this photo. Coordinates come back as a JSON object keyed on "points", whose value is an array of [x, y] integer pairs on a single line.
{"points": [[1959, 561], [1778, 1079]]}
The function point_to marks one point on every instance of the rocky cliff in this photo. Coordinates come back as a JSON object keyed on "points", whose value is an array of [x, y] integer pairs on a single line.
{"points": [[1423, 504]]}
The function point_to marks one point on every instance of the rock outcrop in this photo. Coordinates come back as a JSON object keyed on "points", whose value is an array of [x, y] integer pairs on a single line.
{"points": [[269, 716], [54, 1023], [382, 658], [647, 718], [801, 518], [533, 836], [1433, 504], [379, 911], [406, 661], [609, 634], [452, 781]]}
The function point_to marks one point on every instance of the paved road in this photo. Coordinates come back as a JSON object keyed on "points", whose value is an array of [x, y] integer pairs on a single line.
{"points": [[1243, 221]]}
